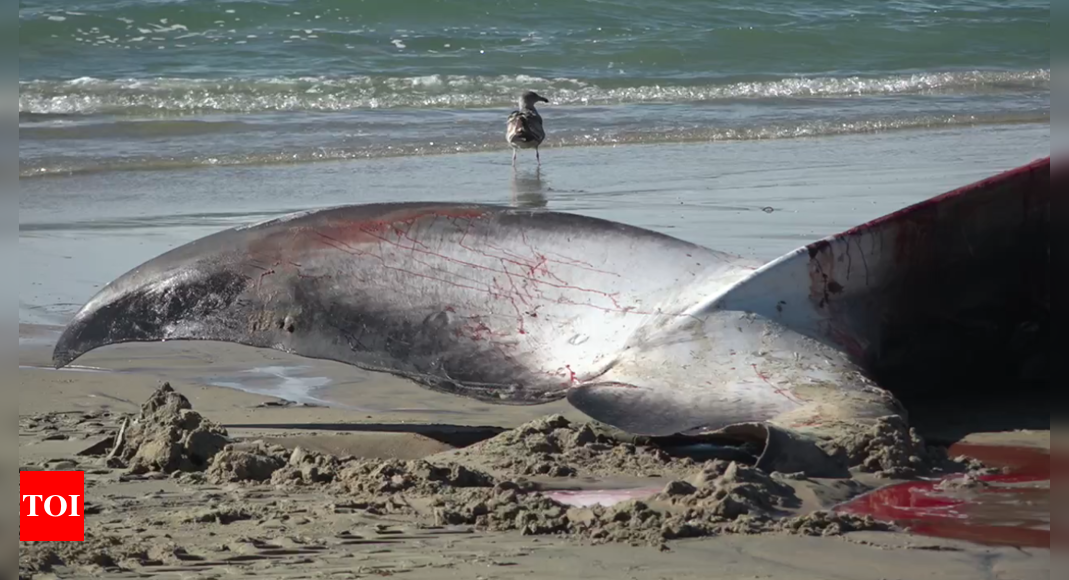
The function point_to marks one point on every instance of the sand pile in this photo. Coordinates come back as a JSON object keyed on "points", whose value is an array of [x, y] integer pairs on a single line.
{"points": [[722, 498], [719, 497], [262, 462], [168, 436], [891, 449], [554, 446], [703, 499], [255, 463], [969, 481]]}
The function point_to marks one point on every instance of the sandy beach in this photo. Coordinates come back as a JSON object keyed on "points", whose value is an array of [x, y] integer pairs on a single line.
{"points": [[181, 524], [330, 511], [745, 131]]}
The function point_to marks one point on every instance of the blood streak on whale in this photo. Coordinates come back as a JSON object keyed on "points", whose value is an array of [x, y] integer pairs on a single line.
{"points": [[374, 231]]}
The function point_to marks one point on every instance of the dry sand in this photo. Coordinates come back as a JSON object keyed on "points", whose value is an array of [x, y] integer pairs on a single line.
{"points": [[213, 482]]}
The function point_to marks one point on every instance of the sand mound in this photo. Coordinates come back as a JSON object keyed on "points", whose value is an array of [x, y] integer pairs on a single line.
{"points": [[554, 446], [262, 462], [969, 481], [234, 464], [412, 477], [891, 449], [169, 436], [823, 523], [722, 498], [719, 497], [731, 490], [453, 488]]}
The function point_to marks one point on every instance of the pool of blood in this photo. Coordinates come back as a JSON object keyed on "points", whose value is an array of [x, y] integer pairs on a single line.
{"points": [[1012, 509]]}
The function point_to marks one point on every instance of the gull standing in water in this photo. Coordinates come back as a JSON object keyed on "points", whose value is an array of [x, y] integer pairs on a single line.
{"points": [[524, 129]]}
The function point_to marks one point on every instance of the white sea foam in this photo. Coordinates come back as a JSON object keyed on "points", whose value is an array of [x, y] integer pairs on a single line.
{"points": [[180, 96]]}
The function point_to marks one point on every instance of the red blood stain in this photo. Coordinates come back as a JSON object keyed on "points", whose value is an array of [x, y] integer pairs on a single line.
{"points": [[914, 231], [368, 234], [480, 331], [1008, 511], [573, 378]]}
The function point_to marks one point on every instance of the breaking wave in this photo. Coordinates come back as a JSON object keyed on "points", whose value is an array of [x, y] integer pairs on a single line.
{"points": [[163, 97]]}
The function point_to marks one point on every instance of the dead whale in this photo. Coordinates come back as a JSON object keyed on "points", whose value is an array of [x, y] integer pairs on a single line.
{"points": [[650, 334]]}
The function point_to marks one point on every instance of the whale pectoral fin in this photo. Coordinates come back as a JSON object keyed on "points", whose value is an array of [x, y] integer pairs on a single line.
{"points": [[636, 409], [659, 413]]}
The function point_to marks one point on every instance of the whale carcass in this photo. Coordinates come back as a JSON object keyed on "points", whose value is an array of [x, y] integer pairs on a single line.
{"points": [[639, 330]]}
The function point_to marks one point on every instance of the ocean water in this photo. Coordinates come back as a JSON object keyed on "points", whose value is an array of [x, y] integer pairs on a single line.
{"points": [[120, 85]]}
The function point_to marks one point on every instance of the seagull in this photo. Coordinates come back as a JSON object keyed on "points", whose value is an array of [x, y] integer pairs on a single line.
{"points": [[524, 129]]}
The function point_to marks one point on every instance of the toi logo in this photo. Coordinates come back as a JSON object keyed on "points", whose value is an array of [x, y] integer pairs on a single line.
{"points": [[51, 506]]}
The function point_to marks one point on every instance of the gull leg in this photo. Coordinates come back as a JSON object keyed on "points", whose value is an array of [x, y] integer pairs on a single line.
{"points": [[514, 158], [538, 157]]}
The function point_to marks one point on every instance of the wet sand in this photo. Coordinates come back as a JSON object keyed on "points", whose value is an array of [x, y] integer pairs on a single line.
{"points": [[170, 526], [177, 526]]}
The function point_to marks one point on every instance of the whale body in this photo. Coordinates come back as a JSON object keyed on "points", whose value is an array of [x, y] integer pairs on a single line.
{"points": [[645, 332]]}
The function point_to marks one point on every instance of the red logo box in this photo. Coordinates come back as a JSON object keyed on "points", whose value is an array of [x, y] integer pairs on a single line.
{"points": [[51, 506]]}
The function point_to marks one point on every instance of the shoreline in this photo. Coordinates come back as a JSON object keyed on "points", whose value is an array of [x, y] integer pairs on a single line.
{"points": [[312, 159]]}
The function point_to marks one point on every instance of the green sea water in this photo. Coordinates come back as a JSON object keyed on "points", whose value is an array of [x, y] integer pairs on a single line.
{"points": [[107, 85]]}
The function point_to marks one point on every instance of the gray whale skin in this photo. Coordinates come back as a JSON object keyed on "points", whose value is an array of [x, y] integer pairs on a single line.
{"points": [[644, 332]]}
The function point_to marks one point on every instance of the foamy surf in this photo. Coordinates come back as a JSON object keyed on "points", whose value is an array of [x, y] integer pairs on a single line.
{"points": [[198, 85], [439, 137], [160, 97]]}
